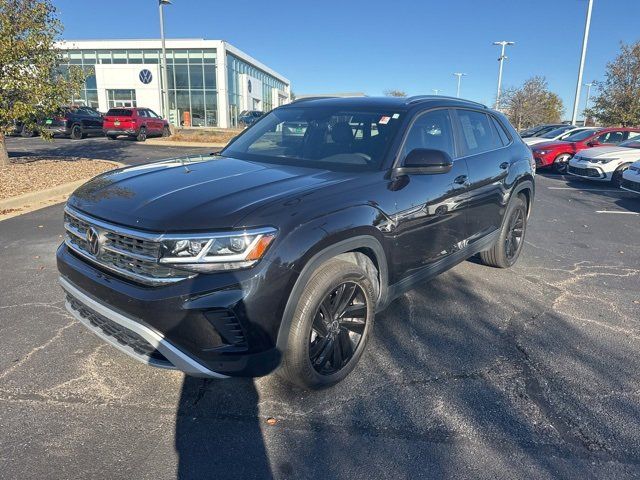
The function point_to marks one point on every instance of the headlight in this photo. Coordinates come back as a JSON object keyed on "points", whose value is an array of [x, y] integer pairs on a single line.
{"points": [[604, 160], [542, 152], [224, 251]]}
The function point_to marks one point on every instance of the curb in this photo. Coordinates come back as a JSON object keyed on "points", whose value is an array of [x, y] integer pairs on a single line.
{"points": [[32, 201], [171, 143]]}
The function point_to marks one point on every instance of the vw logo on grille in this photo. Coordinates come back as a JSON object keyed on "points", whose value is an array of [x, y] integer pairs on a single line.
{"points": [[145, 76], [93, 241]]}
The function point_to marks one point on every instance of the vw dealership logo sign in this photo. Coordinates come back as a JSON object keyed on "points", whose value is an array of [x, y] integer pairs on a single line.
{"points": [[145, 76]]}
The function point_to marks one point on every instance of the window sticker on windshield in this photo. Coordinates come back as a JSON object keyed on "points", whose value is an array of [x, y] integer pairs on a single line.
{"points": [[396, 116], [384, 120], [469, 135]]}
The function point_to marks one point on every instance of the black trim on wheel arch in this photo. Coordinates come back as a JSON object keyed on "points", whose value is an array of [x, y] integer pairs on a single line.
{"points": [[344, 246], [524, 185]]}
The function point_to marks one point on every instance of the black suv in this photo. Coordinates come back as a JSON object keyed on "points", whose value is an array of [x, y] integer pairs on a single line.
{"points": [[75, 122], [279, 251]]}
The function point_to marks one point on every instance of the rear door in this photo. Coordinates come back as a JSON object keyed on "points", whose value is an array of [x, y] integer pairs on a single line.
{"points": [[484, 145], [158, 123], [430, 216]]}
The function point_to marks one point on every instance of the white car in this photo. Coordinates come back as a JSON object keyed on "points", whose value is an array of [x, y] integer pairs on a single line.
{"points": [[556, 134], [631, 178], [606, 164]]}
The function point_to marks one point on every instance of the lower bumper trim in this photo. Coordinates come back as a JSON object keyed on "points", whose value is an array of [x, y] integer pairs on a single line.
{"points": [[175, 358]]}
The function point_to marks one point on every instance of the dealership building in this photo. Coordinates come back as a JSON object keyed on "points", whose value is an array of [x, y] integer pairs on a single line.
{"points": [[209, 81]]}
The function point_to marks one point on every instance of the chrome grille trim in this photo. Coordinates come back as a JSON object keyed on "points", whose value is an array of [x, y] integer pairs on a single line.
{"points": [[125, 252]]}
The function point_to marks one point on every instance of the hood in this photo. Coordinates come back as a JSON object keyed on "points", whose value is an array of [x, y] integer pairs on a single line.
{"points": [[551, 144], [617, 152], [193, 193], [535, 140]]}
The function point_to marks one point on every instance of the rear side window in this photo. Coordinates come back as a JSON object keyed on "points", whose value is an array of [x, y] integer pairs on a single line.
{"points": [[142, 113], [118, 112], [477, 132], [611, 137], [502, 134], [431, 130]]}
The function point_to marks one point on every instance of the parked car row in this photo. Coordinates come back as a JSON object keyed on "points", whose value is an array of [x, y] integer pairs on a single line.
{"points": [[77, 122]]}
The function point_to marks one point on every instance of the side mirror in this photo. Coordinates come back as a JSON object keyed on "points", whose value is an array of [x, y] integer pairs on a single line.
{"points": [[426, 161], [592, 143]]}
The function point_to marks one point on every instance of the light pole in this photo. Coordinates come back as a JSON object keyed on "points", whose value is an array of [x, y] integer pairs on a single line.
{"points": [[436, 90], [459, 75], [163, 67], [585, 38], [586, 100], [501, 59]]}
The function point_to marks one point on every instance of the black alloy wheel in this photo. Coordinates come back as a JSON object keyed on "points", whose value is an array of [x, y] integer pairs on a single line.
{"points": [[515, 234], [76, 132], [142, 134], [337, 328]]}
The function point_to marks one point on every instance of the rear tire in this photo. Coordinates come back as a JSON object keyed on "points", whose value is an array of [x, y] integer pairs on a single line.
{"points": [[507, 248], [142, 135], [76, 133], [27, 132], [330, 326]]}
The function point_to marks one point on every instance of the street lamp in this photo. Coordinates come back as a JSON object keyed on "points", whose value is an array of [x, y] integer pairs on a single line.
{"points": [[586, 100], [163, 67], [459, 75], [501, 59], [436, 90], [585, 38]]}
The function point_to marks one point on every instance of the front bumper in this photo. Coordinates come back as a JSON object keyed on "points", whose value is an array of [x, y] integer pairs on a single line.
{"points": [[223, 324], [587, 170], [129, 335], [631, 185]]}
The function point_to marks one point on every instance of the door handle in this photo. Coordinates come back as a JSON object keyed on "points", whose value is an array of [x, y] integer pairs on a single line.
{"points": [[505, 165], [460, 179]]}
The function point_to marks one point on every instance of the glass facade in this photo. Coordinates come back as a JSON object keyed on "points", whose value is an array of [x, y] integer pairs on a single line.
{"points": [[236, 67], [191, 77]]}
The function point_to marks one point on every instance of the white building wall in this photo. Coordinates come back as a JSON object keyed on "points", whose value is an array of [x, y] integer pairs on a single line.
{"points": [[127, 77]]}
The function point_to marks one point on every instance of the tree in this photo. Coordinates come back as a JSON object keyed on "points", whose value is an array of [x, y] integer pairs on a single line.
{"points": [[395, 93], [31, 82], [532, 104], [618, 99]]}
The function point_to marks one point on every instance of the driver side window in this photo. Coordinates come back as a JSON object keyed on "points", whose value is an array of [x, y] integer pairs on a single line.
{"points": [[431, 130]]}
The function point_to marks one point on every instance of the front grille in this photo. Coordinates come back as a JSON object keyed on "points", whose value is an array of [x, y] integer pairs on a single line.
{"points": [[127, 255], [121, 334], [584, 172], [629, 185]]}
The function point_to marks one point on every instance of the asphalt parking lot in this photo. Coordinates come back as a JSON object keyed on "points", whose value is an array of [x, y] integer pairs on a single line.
{"points": [[121, 150], [532, 372]]}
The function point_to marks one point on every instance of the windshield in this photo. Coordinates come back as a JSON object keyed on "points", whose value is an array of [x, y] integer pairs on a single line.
{"points": [[635, 143], [556, 132], [530, 131], [321, 137], [578, 136]]}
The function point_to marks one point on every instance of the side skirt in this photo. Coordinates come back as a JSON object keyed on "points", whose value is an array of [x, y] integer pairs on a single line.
{"points": [[434, 269]]}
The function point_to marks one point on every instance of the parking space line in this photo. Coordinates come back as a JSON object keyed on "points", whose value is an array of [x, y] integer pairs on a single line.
{"points": [[587, 189], [617, 211]]}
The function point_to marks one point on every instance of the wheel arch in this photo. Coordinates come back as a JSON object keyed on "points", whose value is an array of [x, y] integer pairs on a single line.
{"points": [[526, 186], [366, 245]]}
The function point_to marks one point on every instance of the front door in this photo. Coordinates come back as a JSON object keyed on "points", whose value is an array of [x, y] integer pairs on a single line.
{"points": [[430, 212]]}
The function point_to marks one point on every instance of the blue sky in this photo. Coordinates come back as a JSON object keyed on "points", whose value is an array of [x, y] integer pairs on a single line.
{"points": [[369, 46]]}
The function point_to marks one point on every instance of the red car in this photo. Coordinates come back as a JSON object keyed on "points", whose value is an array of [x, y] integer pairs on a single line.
{"points": [[138, 123], [558, 153]]}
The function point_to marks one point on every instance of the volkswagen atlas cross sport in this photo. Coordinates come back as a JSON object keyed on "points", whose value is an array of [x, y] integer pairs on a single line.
{"points": [[277, 252]]}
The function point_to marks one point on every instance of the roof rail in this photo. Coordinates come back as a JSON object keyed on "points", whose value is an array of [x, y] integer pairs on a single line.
{"points": [[420, 98], [307, 99]]}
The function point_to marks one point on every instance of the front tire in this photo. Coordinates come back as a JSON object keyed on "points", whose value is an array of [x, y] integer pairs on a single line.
{"points": [[616, 178], [26, 132], [561, 163], [166, 132], [330, 327], [507, 248]]}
